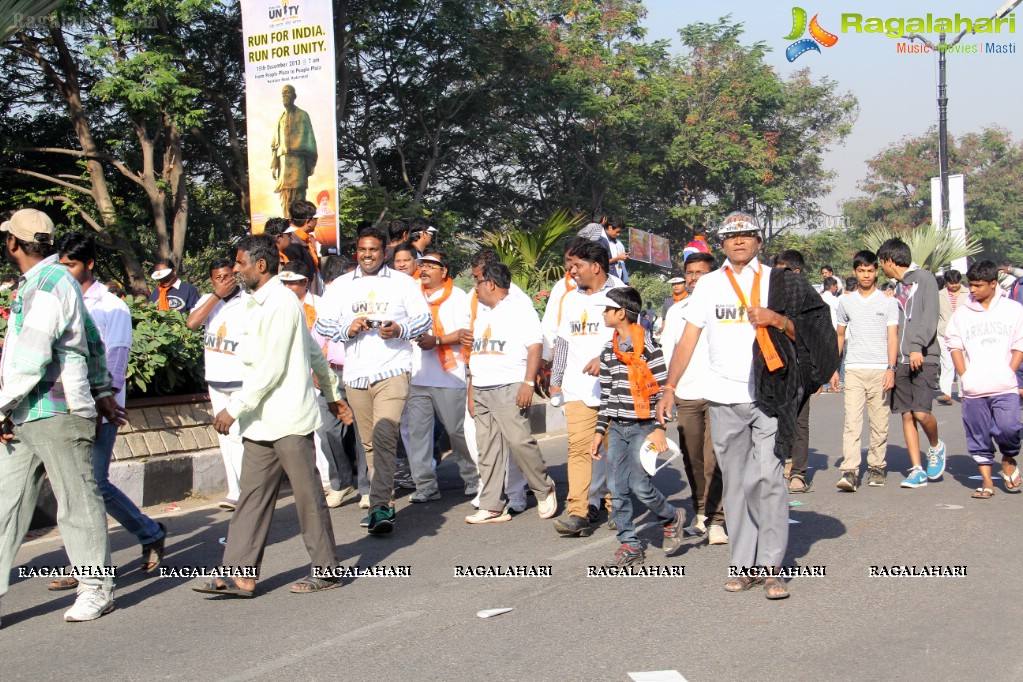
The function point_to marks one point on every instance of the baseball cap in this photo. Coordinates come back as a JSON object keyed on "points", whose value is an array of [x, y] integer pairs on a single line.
{"points": [[291, 276], [30, 225], [737, 222], [677, 280], [160, 274]]}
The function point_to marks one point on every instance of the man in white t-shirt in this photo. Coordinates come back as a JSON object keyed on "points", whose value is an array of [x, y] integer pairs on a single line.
{"points": [[731, 307], [581, 338], [112, 317], [223, 315], [376, 312], [437, 387], [552, 313], [505, 356], [694, 436]]}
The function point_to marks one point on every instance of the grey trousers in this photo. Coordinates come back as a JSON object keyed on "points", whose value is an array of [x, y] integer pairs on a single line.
{"points": [[498, 417], [329, 440], [62, 446], [263, 468], [449, 406], [378, 411], [756, 497]]}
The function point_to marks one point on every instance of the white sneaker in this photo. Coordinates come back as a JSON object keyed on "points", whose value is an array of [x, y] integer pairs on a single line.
{"points": [[336, 497], [92, 602], [697, 528], [548, 507], [716, 536], [364, 502]]}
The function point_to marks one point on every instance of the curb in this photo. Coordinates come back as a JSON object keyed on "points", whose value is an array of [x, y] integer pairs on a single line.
{"points": [[168, 479]]}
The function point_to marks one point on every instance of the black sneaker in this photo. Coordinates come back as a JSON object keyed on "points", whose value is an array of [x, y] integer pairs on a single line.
{"points": [[574, 526], [847, 482], [592, 513], [876, 477], [381, 521], [627, 555]]}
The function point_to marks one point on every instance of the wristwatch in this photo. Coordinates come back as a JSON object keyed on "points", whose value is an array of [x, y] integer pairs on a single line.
{"points": [[892, 368], [531, 384]]}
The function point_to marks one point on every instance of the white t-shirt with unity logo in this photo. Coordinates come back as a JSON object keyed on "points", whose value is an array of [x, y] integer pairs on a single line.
{"points": [[502, 336], [582, 327], [222, 340], [715, 308]]}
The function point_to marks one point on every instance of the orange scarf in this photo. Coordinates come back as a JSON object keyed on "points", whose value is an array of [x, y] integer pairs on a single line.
{"points": [[771, 356], [310, 244], [163, 303], [447, 356], [569, 286], [679, 297], [310, 315], [641, 380]]}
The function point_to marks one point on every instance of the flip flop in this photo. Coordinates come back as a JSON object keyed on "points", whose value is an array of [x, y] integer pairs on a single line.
{"points": [[1012, 482], [223, 586], [313, 584], [983, 494]]}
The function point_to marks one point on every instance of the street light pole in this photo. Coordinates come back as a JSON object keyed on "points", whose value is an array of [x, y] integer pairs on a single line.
{"points": [[943, 130], [942, 48]]}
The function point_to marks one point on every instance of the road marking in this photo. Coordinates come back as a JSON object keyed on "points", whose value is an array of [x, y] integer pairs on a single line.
{"points": [[657, 676], [328, 645], [587, 546]]}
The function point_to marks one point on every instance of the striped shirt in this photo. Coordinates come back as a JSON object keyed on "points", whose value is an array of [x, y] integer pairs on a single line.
{"points": [[615, 393], [868, 319], [54, 361]]}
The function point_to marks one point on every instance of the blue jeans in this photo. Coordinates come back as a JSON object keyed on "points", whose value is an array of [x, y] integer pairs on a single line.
{"points": [[625, 474], [117, 503]]}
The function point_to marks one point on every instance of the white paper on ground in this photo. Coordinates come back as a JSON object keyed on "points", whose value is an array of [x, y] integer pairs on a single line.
{"points": [[657, 676], [223, 541], [488, 613], [949, 506]]}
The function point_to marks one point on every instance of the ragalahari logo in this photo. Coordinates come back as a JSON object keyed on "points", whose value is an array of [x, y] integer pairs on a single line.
{"points": [[817, 35]]}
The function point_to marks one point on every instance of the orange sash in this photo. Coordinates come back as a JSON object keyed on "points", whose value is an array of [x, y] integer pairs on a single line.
{"points": [[679, 297], [641, 380], [569, 286], [447, 356], [301, 234], [162, 303], [771, 356], [310, 315]]}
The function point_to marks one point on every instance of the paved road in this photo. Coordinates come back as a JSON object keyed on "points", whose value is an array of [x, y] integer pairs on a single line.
{"points": [[566, 626]]}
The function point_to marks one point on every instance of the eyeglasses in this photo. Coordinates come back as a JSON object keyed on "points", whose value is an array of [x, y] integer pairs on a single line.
{"points": [[430, 266], [744, 235]]}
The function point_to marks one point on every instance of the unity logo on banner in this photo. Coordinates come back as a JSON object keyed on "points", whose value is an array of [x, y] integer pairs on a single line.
{"points": [[289, 102]]}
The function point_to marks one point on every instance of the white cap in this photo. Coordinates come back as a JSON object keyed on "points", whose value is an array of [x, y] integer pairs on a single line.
{"points": [[160, 274], [677, 280], [737, 222], [30, 225], [290, 276], [431, 229], [601, 299]]}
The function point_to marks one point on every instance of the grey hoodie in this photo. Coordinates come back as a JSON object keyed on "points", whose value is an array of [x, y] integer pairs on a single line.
{"points": [[917, 296]]}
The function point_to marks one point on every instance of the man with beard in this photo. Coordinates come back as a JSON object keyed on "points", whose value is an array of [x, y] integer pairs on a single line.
{"points": [[277, 414]]}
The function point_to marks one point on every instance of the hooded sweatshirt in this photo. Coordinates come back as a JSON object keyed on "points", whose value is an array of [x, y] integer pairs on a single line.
{"points": [[917, 296], [987, 338]]}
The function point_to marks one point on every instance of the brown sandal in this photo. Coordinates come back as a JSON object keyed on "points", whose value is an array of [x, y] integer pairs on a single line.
{"points": [[152, 554], [798, 484], [741, 583], [780, 591], [60, 584]]}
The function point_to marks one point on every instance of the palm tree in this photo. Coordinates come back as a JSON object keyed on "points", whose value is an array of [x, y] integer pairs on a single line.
{"points": [[12, 13], [532, 255], [932, 247]]}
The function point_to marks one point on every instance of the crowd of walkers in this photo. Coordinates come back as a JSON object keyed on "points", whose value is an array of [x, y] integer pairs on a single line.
{"points": [[353, 378]]}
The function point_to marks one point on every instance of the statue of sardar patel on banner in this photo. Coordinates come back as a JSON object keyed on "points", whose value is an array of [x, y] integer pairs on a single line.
{"points": [[293, 150]]}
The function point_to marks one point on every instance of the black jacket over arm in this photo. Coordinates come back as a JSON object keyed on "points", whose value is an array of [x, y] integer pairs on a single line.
{"points": [[809, 362]]}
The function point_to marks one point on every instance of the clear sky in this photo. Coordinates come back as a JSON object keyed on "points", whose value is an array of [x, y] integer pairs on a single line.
{"points": [[897, 93]]}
